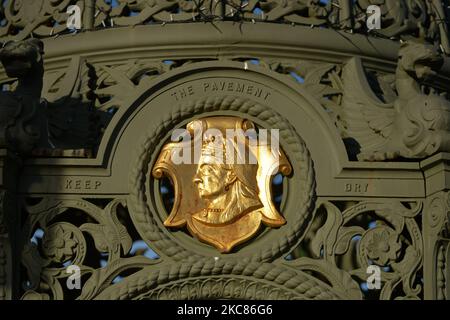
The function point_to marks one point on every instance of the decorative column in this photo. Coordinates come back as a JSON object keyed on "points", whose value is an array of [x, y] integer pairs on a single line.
{"points": [[436, 228], [9, 219]]}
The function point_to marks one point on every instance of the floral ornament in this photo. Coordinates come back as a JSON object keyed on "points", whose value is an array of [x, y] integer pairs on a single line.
{"points": [[59, 244], [383, 245]]}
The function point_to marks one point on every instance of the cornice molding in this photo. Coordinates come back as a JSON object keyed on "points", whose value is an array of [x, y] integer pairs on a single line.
{"points": [[224, 39]]}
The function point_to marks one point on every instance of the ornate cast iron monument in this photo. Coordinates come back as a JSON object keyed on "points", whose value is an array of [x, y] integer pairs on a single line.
{"points": [[88, 180]]}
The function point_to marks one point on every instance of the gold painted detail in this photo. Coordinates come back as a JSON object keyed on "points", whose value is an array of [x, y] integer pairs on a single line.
{"points": [[222, 202]]}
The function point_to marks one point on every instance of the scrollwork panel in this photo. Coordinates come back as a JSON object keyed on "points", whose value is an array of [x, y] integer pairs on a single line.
{"points": [[343, 240], [61, 233], [386, 234]]}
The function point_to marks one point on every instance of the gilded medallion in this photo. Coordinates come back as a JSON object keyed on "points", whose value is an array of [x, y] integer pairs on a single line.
{"points": [[222, 169]]}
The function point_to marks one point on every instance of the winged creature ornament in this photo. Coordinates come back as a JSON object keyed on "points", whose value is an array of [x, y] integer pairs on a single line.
{"points": [[413, 125]]}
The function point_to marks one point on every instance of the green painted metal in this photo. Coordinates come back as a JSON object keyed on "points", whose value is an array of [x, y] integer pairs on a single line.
{"points": [[366, 131]]}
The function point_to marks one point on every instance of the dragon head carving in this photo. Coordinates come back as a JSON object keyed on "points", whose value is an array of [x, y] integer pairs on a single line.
{"points": [[419, 60]]}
